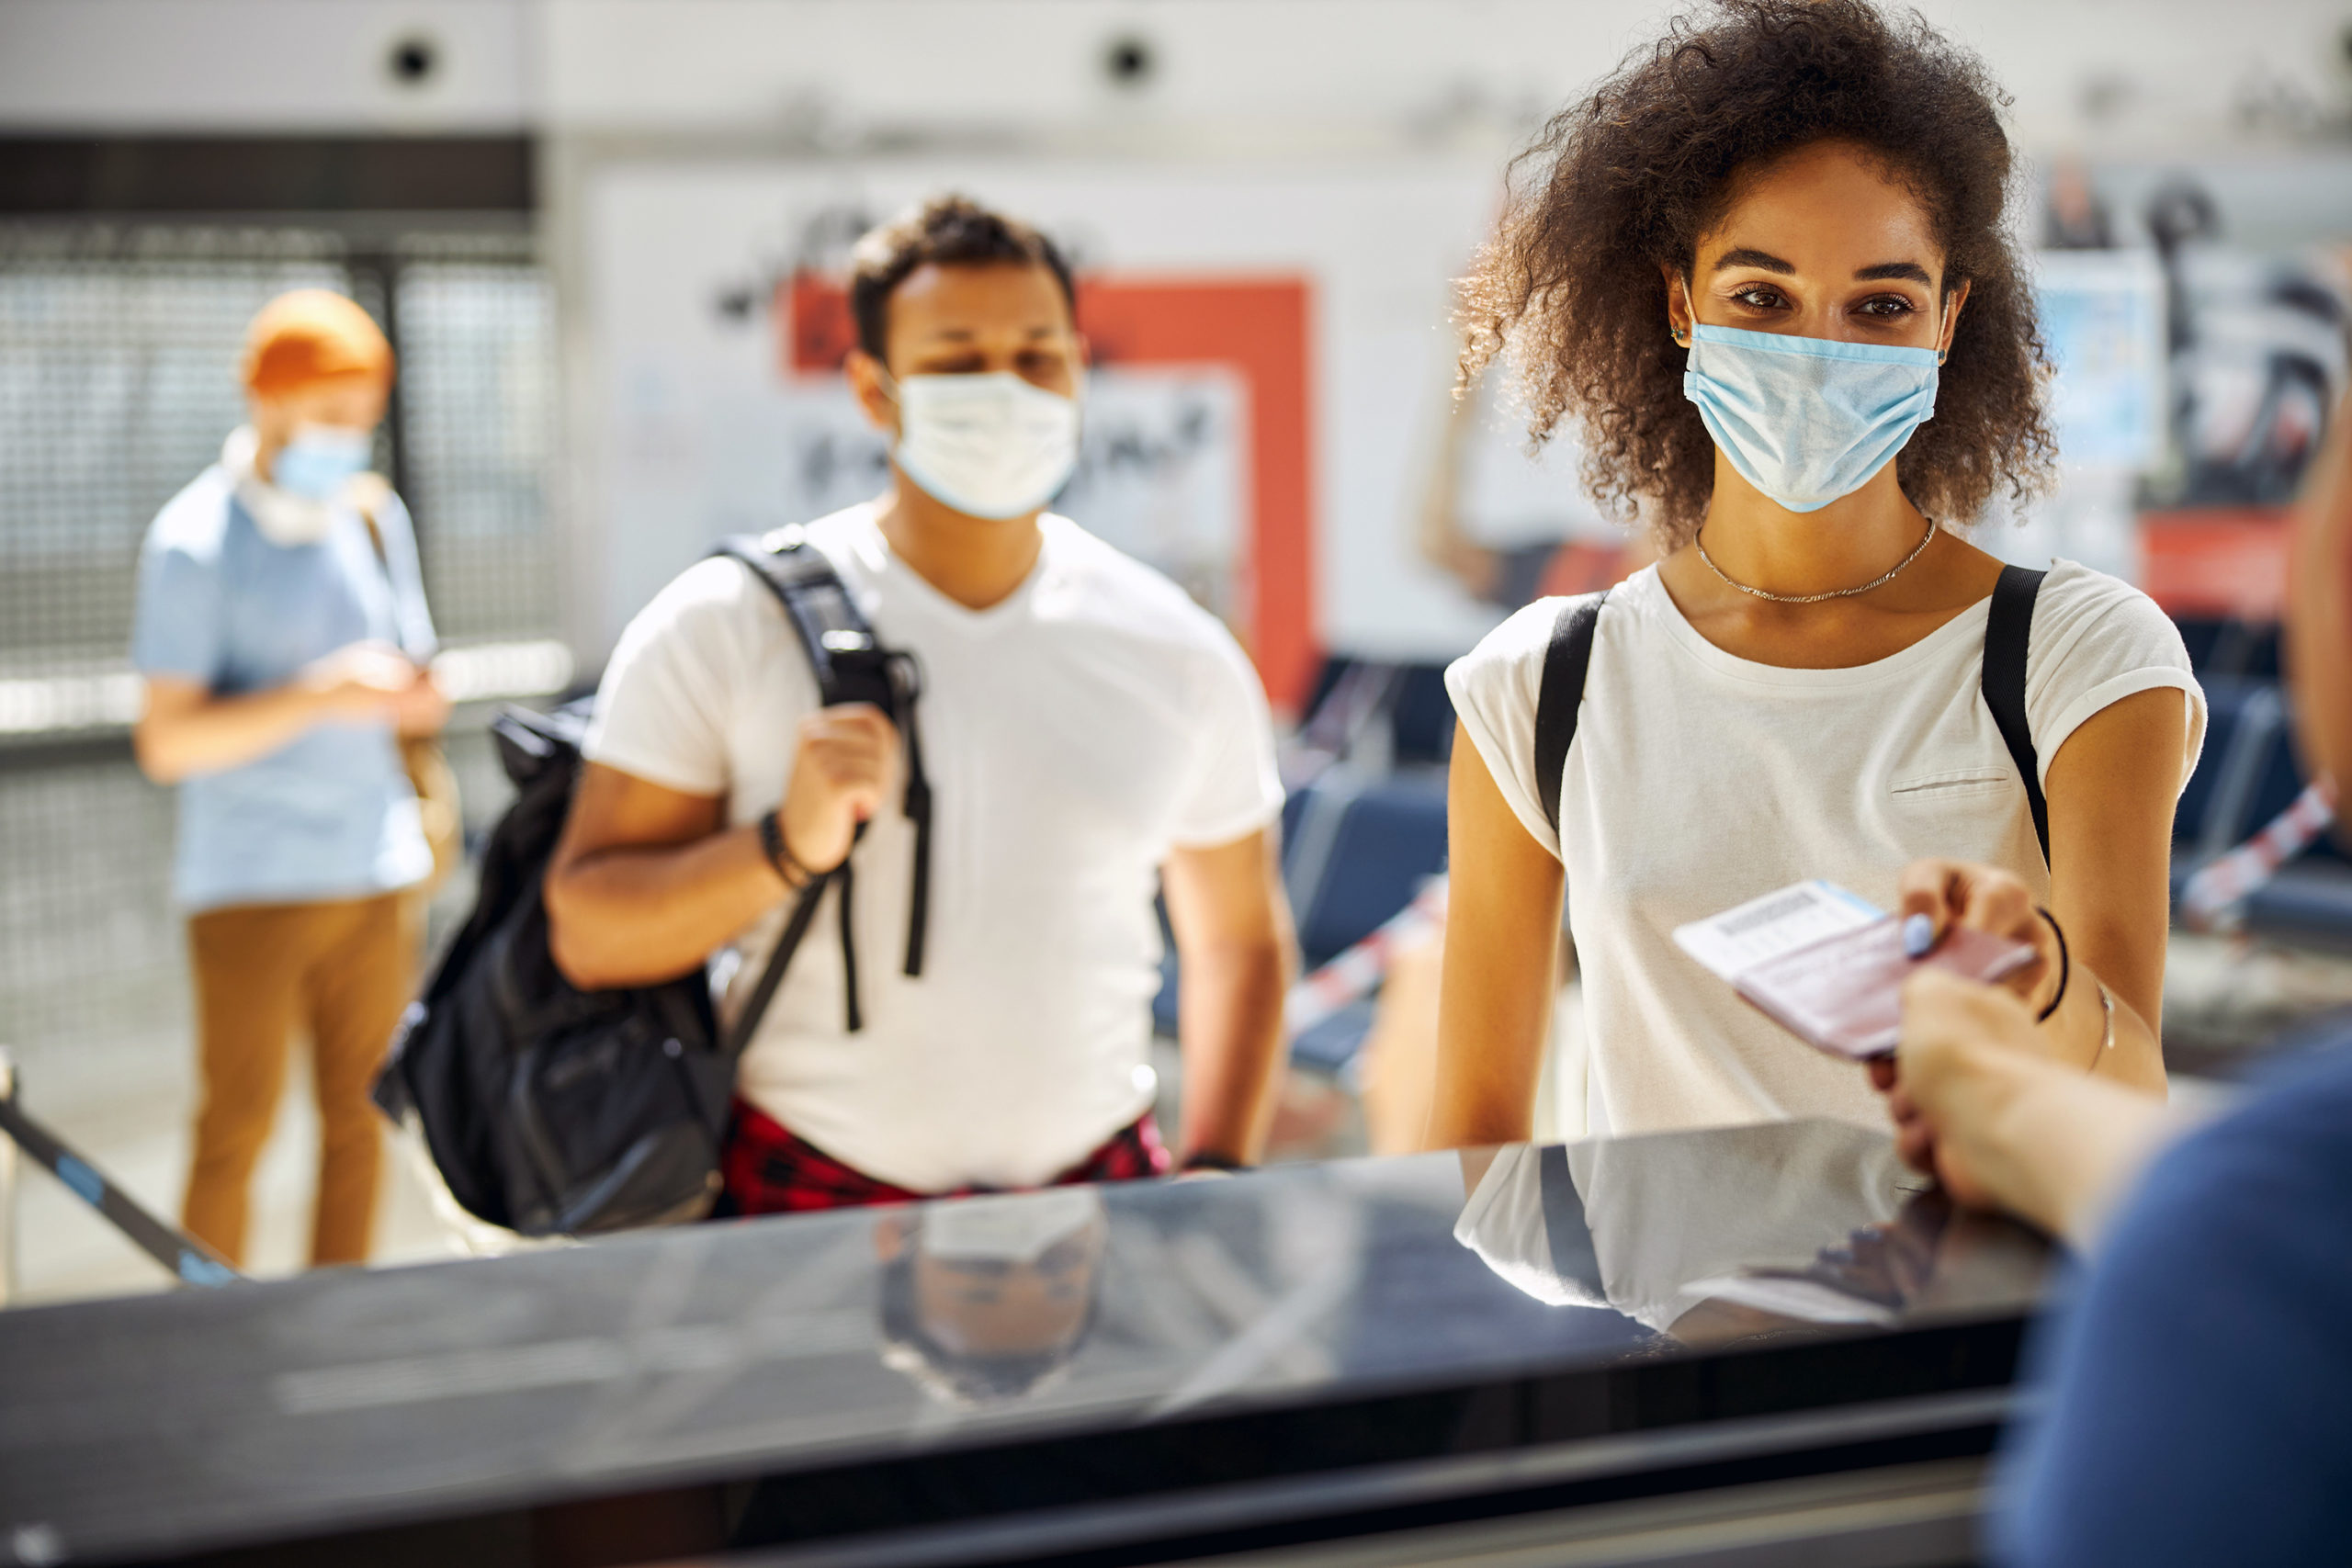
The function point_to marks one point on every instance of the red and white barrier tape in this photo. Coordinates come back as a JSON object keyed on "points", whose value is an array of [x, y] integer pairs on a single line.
{"points": [[2215, 894], [1356, 972]]}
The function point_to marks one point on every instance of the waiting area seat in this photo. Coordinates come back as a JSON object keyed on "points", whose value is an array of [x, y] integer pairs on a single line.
{"points": [[2248, 773]]}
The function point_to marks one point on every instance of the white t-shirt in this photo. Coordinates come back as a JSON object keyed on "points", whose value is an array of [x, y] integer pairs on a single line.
{"points": [[1699, 780], [1073, 734]]}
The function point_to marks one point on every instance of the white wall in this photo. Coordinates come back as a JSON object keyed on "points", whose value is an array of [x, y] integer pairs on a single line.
{"points": [[230, 66], [2148, 76]]}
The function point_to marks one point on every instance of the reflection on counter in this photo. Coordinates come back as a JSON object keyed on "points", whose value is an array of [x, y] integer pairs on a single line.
{"points": [[985, 1356], [1741, 1231]]}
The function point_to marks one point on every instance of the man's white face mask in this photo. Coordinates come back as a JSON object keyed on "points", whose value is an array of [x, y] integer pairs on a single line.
{"points": [[989, 446]]}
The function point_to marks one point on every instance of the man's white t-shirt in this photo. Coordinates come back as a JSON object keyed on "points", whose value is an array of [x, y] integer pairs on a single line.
{"points": [[1699, 780], [1074, 734]]}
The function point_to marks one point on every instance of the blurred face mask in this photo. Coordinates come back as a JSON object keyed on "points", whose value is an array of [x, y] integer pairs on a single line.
{"points": [[988, 445], [293, 507], [1807, 419], [320, 459]]}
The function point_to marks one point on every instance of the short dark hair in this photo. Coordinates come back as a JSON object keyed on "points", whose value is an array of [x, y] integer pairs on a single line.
{"points": [[1620, 186], [953, 231]]}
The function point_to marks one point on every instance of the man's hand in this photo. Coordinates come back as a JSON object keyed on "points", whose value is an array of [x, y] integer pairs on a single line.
{"points": [[842, 770], [362, 680], [1949, 893], [1956, 1035], [1976, 1101], [423, 708]]}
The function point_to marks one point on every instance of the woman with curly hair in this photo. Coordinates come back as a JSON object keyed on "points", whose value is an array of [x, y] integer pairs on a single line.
{"points": [[1765, 272]]}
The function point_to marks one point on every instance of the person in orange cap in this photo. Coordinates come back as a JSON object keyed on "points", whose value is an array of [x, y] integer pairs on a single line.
{"points": [[282, 633]]}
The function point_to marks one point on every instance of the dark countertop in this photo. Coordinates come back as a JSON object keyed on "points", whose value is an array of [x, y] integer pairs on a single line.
{"points": [[865, 1368]]}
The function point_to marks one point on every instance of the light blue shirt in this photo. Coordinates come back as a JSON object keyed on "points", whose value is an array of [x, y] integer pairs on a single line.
{"points": [[330, 814]]}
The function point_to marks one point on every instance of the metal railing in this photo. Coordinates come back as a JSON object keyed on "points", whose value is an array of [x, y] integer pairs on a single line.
{"points": [[189, 1260]]}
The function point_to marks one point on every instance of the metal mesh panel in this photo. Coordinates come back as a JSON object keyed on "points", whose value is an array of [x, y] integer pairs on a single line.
{"points": [[89, 943], [476, 389]]}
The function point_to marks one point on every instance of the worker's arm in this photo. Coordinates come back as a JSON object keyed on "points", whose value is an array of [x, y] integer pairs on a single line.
{"points": [[185, 730]]}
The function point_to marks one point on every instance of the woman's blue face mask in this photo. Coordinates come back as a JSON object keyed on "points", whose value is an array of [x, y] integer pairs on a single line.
{"points": [[1807, 419]]}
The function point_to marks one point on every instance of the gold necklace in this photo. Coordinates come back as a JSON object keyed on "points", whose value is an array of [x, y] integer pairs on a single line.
{"points": [[1699, 540]]}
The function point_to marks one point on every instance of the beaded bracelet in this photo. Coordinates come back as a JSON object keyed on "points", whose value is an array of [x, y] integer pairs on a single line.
{"points": [[788, 865]]}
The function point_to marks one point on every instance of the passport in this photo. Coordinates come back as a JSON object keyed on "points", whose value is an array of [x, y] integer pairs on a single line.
{"points": [[1828, 966]]}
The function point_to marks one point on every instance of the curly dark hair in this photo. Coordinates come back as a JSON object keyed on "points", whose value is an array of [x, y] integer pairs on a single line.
{"points": [[1620, 186]]}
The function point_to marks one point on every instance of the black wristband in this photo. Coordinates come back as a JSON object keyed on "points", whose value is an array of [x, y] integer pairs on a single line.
{"points": [[1205, 1159], [796, 876], [2065, 965]]}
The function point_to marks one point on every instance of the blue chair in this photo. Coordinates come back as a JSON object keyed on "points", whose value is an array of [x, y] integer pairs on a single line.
{"points": [[2248, 775], [1355, 852]]}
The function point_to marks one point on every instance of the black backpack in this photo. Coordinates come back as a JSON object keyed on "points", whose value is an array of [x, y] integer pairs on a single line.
{"points": [[2008, 632], [552, 1110]]}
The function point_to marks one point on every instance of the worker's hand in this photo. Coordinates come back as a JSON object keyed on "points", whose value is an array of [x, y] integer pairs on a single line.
{"points": [[361, 680], [1966, 1050], [423, 708], [1948, 893], [842, 770]]}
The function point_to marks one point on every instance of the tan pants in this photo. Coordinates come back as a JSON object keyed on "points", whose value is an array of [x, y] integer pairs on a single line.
{"points": [[341, 972]]}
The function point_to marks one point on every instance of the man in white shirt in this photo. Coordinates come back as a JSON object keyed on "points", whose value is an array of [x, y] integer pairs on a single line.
{"points": [[1087, 731]]}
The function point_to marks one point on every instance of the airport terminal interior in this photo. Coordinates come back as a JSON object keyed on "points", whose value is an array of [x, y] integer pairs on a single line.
{"points": [[1263, 782]]}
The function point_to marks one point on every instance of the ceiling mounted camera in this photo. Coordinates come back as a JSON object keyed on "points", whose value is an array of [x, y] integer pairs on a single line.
{"points": [[412, 60], [1128, 62]]}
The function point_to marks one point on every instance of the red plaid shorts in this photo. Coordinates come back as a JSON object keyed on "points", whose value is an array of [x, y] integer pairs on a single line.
{"points": [[771, 1172]]}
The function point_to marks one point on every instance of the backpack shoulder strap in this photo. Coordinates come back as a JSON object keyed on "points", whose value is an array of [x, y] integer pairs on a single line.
{"points": [[2009, 637], [1562, 693], [844, 653], [850, 665]]}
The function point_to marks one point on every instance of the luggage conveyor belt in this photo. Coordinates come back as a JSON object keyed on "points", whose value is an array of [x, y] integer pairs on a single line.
{"points": [[1727, 1334]]}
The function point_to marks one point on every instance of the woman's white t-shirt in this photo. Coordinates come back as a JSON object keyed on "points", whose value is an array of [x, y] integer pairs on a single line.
{"points": [[1699, 780], [1073, 734]]}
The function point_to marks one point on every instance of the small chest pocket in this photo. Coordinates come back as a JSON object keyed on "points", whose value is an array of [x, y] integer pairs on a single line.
{"points": [[1933, 789]]}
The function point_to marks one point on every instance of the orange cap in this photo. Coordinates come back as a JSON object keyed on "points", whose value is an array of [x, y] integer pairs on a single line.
{"points": [[312, 334]]}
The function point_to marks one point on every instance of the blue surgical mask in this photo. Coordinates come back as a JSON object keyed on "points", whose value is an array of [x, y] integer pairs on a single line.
{"points": [[1807, 419], [320, 459]]}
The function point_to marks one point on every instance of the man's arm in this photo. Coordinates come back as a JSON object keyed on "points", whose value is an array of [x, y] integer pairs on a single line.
{"points": [[647, 881], [1238, 955], [184, 730]]}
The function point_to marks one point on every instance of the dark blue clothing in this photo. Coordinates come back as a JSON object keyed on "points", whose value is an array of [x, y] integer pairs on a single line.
{"points": [[2200, 1380]]}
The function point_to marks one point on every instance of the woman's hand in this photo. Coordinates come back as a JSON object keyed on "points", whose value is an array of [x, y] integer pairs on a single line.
{"points": [[1947, 892]]}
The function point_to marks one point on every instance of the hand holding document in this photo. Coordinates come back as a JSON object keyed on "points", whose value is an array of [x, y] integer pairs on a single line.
{"points": [[1828, 966]]}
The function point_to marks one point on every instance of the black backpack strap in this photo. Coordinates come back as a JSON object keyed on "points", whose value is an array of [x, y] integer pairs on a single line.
{"points": [[2009, 636], [1562, 693], [851, 666]]}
